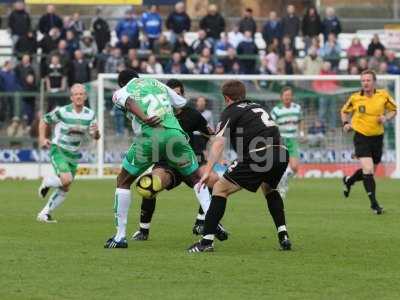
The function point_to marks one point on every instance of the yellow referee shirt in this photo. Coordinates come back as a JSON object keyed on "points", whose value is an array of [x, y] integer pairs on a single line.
{"points": [[367, 110]]}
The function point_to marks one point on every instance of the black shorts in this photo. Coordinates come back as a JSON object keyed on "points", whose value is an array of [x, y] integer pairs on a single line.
{"points": [[249, 174], [368, 146]]}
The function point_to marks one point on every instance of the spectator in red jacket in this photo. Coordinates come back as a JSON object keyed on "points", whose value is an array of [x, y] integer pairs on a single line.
{"points": [[355, 50]]}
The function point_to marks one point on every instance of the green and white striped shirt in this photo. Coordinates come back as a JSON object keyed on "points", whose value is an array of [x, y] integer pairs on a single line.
{"points": [[288, 119], [71, 127]]}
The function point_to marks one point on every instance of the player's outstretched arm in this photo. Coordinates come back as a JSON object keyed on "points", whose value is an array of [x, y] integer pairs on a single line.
{"points": [[44, 142]]}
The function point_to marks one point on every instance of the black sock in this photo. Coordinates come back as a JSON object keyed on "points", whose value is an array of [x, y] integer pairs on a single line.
{"points": [[369, 185], [276, 208], [213, 216], [147, 210], [357, 176]]}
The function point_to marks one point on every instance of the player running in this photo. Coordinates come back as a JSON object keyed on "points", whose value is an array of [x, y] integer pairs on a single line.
{"points": [[72, 123], [369, 110], [289, 117], [262, 160], [160, 137]]}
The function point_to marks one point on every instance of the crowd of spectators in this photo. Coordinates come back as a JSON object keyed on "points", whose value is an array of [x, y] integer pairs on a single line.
{"points": [[71, 53]]}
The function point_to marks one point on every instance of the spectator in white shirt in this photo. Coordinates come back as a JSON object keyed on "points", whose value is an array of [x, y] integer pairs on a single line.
{"points": [[235, 36]]}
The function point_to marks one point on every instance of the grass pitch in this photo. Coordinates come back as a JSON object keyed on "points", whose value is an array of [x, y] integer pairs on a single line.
{"points": [[341, 250]]}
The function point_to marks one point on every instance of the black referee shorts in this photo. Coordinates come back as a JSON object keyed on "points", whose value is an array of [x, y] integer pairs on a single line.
{"points": [[368, 146], [250, 174]]}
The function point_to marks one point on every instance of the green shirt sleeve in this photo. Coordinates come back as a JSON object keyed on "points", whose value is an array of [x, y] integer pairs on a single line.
{"points": [[52, 117]]}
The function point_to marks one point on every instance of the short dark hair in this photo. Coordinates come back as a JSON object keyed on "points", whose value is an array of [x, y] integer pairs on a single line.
{"points": [[175, 83], [285, 89], [125, 76], [234, 89], [370, 72]]}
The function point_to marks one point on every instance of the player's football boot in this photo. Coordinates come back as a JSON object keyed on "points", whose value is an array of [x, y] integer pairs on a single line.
{"points": [[199, 247], [376, 208], [140, 235], [284, 241], [112, 243], [45, 218], [198, 227], [346, 186], [43, 190], [221, 233]]}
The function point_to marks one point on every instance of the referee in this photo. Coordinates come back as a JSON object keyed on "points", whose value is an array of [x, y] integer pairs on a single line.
{"points": [[366, 112]]}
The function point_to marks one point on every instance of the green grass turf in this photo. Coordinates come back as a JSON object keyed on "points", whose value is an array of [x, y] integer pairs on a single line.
{"points": [[341, 250]]}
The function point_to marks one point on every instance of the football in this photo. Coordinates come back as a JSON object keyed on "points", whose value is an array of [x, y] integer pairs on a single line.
{"points": [[148, 186]]}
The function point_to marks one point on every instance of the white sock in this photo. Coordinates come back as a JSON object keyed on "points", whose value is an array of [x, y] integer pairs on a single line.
{"points": [[282, 228], [121, 207], [145, 225], [289, 172], [203, 197], [52, 181], [201, 217], [55, 200], [208, 237], [284, 183]]}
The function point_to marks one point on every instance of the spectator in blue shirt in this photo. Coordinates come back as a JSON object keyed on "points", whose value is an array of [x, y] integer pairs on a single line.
{"points": [[331, 23], [393, 63], [272, 29], [248, 47], [129, 26], [9, 79], [9, 83], [331, 51], [223, 45], [152, 24], [72, 42], [178, 21]]}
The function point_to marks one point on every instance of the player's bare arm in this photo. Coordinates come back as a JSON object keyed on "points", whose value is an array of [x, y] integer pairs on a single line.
{"points": [[94, 132], [134, 108], [387, 117], [346, 118], [44, 142]]}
